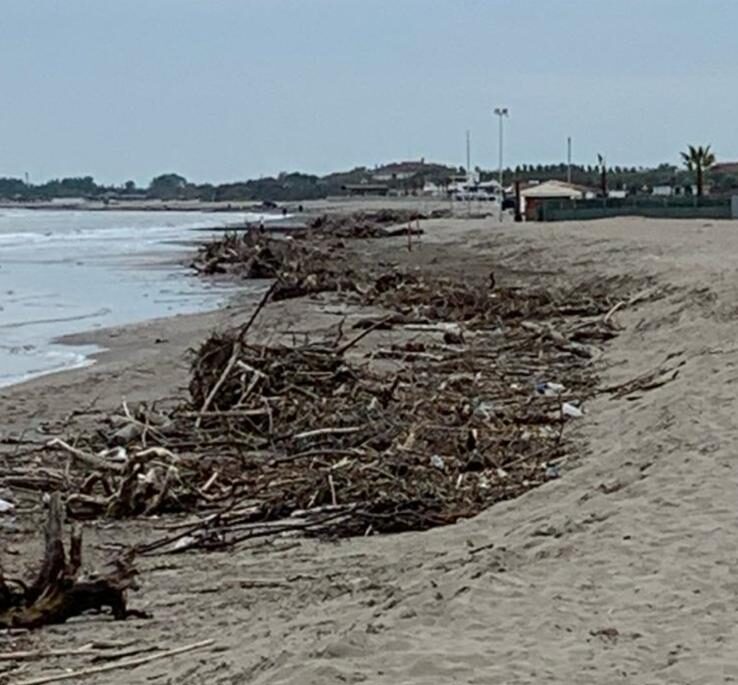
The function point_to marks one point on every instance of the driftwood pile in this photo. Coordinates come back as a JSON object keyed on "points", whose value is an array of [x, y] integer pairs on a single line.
{"points": [[383, 223], [301, 268], [251, 254], [467, 409], [461, 401], [309, 259], [58, 593]]}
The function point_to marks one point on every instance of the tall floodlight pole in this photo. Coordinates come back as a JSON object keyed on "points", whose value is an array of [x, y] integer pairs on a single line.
{"points": [[501, 113], [468, 172], [568, 159]]}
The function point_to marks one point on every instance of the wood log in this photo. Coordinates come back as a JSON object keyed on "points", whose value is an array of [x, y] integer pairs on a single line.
{"points": [[57, 594]]}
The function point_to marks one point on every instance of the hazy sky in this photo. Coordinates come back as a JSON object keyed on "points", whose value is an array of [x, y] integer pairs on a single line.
{"points": [[225, 89]]}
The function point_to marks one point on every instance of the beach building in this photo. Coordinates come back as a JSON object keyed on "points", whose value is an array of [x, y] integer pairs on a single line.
{"points": [[67, 202], [363, 189], [533, 196], [470, 187], [662, 190], [668, 190], [617, 194], [431, 189]]}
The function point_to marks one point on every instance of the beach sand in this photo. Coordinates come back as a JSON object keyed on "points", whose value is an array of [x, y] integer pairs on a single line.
{"points": [[622, 571]]}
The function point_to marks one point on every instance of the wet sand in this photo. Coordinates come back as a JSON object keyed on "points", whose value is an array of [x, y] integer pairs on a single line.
{"points": [[622, 571]]}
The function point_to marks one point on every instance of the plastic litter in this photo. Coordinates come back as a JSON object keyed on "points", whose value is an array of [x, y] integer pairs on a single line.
{"points": [[6, 507], [572, 411], [548, 389], [127, 434], [437, 462], [484, 409], [183, 542], [118, 454], [553, 471]]}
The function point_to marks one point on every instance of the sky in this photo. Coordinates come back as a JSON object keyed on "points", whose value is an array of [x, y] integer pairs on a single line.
{"points": [[220, 90]]}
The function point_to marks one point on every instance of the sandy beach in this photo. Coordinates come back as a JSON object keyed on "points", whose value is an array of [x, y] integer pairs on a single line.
{"points": [[621, 571]]}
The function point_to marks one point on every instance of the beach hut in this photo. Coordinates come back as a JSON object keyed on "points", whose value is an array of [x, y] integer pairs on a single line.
{"points": [[532, 197]]}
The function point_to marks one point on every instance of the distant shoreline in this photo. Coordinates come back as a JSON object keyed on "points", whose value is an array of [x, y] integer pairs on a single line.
{"points": [[140, 206], [333, 203]]}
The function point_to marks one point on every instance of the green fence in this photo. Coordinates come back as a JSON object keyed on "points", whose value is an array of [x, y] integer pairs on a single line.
{"points": [[647, 206]]}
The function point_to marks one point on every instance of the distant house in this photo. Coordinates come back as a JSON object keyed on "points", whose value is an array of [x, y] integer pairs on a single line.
{"points": [[115, 197], [431, 189], [399, 171], [68, 201], [418, 170], [663, 190], [667, 190], [533, 196], [725, 168], [472, 188]]}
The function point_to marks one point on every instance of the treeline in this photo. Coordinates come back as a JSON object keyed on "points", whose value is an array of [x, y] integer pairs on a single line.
{"points": [[289, 187], [631, 179], [285, 187]]}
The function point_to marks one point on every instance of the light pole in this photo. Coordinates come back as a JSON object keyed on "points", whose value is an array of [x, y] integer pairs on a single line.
{"points": [[468, 154], [602, 163], [468, 173], [501, 112]]}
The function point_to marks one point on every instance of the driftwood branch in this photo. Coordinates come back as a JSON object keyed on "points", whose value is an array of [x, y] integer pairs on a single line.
{"points": [[237, 345], [57, 594], [130, 663], [91, 460]]}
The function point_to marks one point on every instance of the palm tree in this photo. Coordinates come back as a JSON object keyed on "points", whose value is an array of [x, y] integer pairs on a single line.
{"points": [[698, 159]]}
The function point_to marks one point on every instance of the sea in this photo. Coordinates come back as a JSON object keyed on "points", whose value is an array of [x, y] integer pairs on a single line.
{"points": [[64, 272]]}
